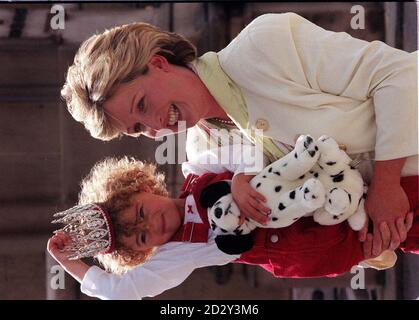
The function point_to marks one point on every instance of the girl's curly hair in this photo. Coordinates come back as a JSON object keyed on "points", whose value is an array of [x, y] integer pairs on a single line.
{"points": [[111, 183]]}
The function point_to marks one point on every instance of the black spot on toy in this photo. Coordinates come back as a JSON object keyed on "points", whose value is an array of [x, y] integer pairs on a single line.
{"points": [[218, 212], [338, 177]]}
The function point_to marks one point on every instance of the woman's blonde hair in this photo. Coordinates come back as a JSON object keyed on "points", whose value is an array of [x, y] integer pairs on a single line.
{"points": [[107, 60], [111, 183]]}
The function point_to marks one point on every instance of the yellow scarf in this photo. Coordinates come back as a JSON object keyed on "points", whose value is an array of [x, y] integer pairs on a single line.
{"points": [[229, 97]]}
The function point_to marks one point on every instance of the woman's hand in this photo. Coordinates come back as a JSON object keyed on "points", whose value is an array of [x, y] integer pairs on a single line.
{"points": [[368, 243], [249, 200], [387, 206]]}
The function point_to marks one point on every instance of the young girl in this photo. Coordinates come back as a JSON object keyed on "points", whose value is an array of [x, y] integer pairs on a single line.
{"points": [[153, 243]]}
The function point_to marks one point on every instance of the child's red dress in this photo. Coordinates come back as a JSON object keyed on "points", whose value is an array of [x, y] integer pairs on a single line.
{"points": [[305, 248]]}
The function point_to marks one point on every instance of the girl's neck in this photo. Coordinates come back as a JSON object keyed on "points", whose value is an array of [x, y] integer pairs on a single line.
{"points": [[180, 205]]}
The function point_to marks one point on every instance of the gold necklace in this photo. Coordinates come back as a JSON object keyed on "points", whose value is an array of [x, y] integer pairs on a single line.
{"points": [[207, 124], [224, 121]]}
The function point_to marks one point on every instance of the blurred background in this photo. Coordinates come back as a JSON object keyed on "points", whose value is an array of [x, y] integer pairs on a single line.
{"points": [[44, 153]]}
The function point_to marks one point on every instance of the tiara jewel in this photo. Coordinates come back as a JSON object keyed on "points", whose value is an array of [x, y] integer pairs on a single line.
{"points": [[90, 229]]}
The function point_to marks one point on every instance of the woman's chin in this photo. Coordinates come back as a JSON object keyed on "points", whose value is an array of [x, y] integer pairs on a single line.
{"points": [[179, 127], [169, 130]]}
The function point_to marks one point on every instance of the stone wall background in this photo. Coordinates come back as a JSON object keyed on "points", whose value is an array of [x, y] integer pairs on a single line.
{"points": [[44, 153]]}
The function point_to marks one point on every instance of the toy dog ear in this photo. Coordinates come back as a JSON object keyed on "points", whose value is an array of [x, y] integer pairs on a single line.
{"points": [[232, 244], [213, 193]]}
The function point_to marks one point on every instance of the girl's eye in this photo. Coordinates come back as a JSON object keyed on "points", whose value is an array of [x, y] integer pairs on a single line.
{"points": [[140, 215], [143, 238], [141, 105]]}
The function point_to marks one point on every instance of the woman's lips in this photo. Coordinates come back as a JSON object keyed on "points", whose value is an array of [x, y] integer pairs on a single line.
{"points": [[173, 115]]}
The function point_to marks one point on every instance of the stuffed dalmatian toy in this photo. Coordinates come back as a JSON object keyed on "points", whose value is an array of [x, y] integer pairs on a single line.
{"points": [[315, 179]]}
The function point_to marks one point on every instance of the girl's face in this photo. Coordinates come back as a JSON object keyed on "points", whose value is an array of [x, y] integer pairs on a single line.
{"points": [[160, 99], [154, 220]]}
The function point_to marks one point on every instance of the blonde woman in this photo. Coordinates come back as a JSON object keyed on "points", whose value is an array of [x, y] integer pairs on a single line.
{"points": [[283, 75]]}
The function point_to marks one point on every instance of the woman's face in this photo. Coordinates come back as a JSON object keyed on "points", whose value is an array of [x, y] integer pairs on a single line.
{"points": [[166, 95], [154, 220]]}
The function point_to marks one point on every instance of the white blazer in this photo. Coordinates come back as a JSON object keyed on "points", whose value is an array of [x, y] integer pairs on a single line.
{"points": [[297, 77]]}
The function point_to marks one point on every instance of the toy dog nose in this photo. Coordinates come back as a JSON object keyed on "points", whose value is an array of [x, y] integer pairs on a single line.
{"points": [[218, 213]]}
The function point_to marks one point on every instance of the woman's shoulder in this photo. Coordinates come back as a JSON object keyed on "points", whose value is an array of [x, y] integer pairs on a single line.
{"points": [[272, 22], [271, 32], [271, 17]]}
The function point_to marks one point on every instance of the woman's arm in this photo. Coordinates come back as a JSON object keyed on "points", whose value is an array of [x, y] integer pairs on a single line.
{"points": [[386, 203], [236, 158]]}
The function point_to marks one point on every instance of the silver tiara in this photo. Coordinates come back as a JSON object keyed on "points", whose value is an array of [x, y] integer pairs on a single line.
{"points": [[90, 229]]}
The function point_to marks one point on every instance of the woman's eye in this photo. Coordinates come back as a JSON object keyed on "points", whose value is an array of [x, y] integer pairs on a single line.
{"points": [[143, 238]]}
